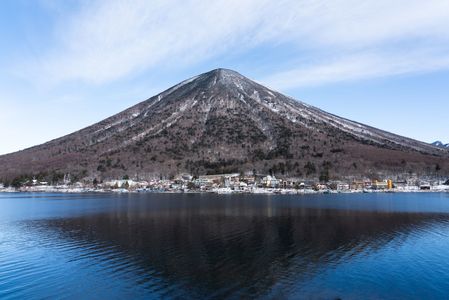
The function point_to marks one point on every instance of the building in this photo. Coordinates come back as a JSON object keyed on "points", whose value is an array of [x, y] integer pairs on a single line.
{"points": [[226, 180], [424, 186], [400, 184], [183, 178], [360, 185], [291, 183], [342, 186], [320, 187], [122, 183], [206, 182], [389, 184], [249, 179], [379, 185], [270, 182]]}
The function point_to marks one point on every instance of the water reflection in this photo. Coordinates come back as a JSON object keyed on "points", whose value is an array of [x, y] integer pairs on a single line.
{"points": [[231, 248]]}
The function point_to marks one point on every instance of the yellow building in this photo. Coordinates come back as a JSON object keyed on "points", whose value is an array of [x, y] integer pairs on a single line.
{"points": [[389, 184], [379, 185]]}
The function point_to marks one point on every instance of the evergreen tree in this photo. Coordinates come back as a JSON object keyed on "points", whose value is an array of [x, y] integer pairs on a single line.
{"points": [[324, 176], [125, 185], [310, 168]]}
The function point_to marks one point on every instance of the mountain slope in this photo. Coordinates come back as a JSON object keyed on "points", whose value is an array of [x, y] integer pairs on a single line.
{"points": [[219, 122]]}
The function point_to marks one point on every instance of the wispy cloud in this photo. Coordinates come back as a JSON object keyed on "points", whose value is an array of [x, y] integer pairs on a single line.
{"points": [[115, 38], [358, 67], [344, 39]]}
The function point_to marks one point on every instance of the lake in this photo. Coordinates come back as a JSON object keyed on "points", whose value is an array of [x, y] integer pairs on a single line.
{"points": [[208, 246]]}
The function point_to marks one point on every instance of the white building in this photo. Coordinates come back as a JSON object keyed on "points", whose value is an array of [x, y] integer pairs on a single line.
{"points": [[270, 181], [122, 183]]}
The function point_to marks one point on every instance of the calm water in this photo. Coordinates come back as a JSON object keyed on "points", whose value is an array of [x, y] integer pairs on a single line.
{"points": [[198, 246]]}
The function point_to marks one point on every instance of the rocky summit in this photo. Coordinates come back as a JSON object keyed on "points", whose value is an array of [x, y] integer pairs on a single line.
{"points": [[220, 122]]}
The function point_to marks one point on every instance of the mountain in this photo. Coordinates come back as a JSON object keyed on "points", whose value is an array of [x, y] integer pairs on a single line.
{"points": [[221, 121], [440, 145]]}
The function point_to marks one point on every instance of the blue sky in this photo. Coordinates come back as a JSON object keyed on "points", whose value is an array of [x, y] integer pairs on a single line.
{"points": [[68, 64]]}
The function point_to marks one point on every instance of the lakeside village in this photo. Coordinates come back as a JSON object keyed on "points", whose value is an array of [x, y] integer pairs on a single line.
{"points": [[232, 183]]}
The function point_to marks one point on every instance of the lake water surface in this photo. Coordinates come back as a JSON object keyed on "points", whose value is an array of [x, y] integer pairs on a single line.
{"points": [[207, 246]]}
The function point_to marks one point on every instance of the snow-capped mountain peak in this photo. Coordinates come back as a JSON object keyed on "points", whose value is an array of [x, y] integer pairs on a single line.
{"points": [[440, 144]]}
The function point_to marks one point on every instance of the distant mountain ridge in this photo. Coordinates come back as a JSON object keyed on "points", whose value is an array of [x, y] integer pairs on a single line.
{"points": [[221, 121], [440, 145]]}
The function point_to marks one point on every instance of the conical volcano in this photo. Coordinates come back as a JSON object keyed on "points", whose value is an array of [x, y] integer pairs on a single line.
{"points": [[219, 122]]}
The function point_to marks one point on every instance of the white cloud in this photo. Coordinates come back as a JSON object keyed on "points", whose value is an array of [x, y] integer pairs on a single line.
{"points": [[114, 38], [345, 39], [357, 67]]}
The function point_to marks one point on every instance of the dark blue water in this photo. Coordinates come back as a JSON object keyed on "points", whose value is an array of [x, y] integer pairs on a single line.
{"points": [[204, 246]]}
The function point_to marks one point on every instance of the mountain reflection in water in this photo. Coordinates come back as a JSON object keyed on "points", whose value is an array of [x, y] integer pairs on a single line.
{"points": [[235, 248]]}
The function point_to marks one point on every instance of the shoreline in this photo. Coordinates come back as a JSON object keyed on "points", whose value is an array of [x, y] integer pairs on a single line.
{"points": [[259, 191]]}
